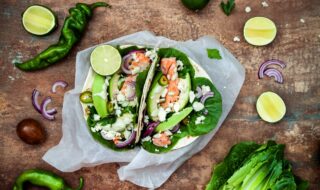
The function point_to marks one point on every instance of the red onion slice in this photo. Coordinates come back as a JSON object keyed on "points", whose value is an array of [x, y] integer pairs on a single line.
{"points": [[125, 67], [176, 128], [199, 92], [35, 103], [264, 65], [44, 111], [60, 83], [206, 96], [271, 72], [122, 144], [150, 128]]}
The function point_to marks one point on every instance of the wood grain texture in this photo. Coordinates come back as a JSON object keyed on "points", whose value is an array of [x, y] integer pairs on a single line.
{"points": [[297, 44]]}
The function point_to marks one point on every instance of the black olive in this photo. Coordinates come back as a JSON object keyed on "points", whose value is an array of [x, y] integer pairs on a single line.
{"points": [[31, 131]]}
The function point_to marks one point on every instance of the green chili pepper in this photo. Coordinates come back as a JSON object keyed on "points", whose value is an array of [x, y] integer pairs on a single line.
{"points": [[43, 178], [72, 30]]}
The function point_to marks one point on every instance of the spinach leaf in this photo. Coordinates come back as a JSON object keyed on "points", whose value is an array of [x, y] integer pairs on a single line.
{"points": [[214, 54], [171, 52], [141, 79], [236, 156], [227, 7], [126, 50], [213, 105]]}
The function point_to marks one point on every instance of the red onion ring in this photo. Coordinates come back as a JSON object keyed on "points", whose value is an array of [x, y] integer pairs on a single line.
{"points": [[271, 72], [176, 128], [125, 67], [60, 83], [206, 96], [265, 64], [44, 111], [122, 144], [150, 128], [35, 103], [199, 92]]}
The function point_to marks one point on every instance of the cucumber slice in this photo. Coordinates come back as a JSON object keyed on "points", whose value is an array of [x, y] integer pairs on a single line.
{"points": [[39, 20]]}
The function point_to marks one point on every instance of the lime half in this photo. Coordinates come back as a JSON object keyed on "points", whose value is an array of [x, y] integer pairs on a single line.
{"points": [[271, 107], [38, 20], [105, 60], [259, 31]]}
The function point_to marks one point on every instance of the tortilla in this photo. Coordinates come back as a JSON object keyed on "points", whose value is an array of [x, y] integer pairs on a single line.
{"points": [[189, 133], [124, 49]]}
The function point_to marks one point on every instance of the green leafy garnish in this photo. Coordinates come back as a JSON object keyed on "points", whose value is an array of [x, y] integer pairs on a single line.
{"points": [[214, 54], [227, 7], [253, 166]]}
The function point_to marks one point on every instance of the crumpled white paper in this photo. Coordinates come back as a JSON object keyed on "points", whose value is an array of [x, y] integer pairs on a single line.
{"points": [[78, 149]]}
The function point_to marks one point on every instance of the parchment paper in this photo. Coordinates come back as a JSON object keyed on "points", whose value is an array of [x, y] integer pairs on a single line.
{"points": [[78, 149]]}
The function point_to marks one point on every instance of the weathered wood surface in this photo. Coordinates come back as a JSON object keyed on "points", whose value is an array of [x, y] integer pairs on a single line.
{"points": [[297, 44]]}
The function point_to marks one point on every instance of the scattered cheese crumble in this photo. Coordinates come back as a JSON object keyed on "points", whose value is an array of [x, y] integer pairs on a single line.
{"points": [[302, 20], [191, 96], [197, 106], [199, 120], [264, 4], [248, 9], [236, 39], [147, 138]]}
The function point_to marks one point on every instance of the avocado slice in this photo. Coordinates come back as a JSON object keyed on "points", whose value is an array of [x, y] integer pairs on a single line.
{"points": [[113, 86], [157, 89], [174, 120], [99, 95]]}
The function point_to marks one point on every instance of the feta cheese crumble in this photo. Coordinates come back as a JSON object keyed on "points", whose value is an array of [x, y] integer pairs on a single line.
{"points": [[264, 4], [179, 65], [236, 39], [147, 138], [191, 96], [162, 114], [96, 117], [199, 120], [302, 20], [248, 9], [197, 106]]}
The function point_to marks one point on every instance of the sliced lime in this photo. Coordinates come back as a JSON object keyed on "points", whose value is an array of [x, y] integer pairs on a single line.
{"points": [[270, 107], [105, 60], [38, 20], [259, 31]]}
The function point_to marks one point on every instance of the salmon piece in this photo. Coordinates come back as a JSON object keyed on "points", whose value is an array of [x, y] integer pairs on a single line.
{"points": [[129, 79], [142, 62], [173, 93], [162, 141], [166, 64]]}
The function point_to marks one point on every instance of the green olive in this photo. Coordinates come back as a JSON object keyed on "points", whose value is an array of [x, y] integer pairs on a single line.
{"points": [[86, 97], [110, 107], [163, 81]]}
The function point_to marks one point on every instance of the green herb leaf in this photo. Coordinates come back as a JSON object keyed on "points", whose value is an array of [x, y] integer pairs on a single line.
{"points": [[214, 54], [227, 7]]}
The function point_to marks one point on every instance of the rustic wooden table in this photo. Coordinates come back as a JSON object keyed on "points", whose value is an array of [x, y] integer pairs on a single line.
{"points": [[297, 44]]}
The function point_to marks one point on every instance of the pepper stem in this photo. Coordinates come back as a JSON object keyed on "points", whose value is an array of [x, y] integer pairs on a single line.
{"points": [[80, 184], [99, 4]]}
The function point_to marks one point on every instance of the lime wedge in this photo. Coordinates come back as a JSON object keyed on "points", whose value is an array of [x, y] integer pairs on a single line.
{"points": [[38, 20], [259, 31], [105, 60], [270, 107]]}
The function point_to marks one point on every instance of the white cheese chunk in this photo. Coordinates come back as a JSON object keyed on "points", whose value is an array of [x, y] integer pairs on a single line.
{"points": [[197, 106]]}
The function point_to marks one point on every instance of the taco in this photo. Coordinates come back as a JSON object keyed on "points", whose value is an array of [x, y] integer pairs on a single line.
{"points": [[112, 115], [182, 103]]}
